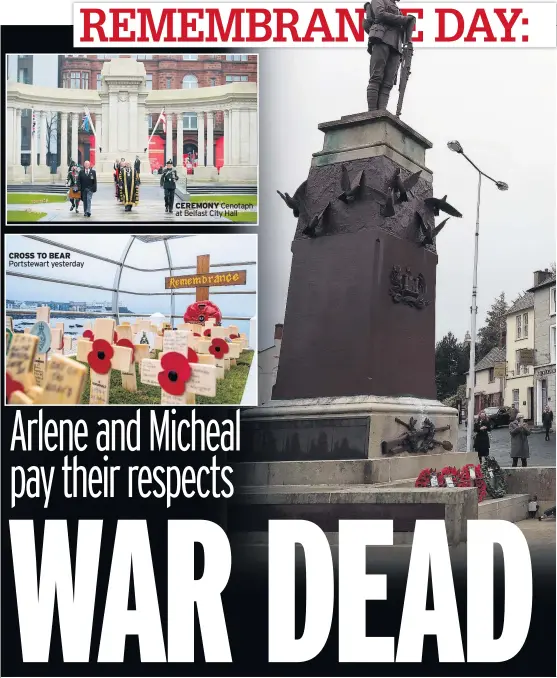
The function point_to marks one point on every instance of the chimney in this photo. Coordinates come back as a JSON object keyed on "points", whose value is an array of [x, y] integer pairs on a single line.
{"points": [[278, 331], [541, 276]]}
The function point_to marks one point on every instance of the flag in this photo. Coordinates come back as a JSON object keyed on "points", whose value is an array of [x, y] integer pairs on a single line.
{"points": [[163, 120], [34, 123], [85, 123]]}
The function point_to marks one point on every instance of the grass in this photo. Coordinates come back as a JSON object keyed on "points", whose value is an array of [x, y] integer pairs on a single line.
{"points": [[24, 216], [33, 198], [229, 390]]}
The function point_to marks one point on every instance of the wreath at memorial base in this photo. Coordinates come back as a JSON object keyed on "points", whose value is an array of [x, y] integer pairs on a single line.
{"points": [[451, 471], [465, 480], [424, 478], [494, 478]]}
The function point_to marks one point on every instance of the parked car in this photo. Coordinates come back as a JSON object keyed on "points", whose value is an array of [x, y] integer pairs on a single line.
{"points": [[498, 416]]}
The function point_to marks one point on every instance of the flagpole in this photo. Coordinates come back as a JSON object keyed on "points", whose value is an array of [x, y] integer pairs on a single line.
{"points": [[32, 145], [154, 129]]}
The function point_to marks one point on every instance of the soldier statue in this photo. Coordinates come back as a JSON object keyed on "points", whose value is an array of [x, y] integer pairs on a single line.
{"points": [[389, 34]]}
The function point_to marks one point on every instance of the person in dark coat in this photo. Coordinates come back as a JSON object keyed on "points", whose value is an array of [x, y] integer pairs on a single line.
{"points": [[74, 193], [88, 185], [481, 440], [519, 440], [547, 421], [169, 178]]}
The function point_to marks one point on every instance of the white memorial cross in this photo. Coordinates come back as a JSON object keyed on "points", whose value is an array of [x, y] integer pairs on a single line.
{"points": [[179, 372]]}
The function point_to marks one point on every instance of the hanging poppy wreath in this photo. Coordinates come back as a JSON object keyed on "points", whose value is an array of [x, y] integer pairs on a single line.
{"points": [[100, 356], [176, 372], [218, 348], [494, 478], [465, 480]]}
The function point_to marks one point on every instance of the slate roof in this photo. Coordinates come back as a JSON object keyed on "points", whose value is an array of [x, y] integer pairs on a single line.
{"points": [[544, 283], [496, 355], [525, 301]]}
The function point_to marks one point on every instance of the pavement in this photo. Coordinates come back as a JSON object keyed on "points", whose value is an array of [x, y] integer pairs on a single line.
{"points": [[542, 453], [105, 208]]}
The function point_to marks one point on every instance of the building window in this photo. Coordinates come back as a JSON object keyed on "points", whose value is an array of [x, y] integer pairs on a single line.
{"points": [[149, 118], [144, 57], [519, 327], [236, 57], [552, 301], [491, 375], [525, 325], [189, 82], [149, 81], [23, 76], [190, 57], [99, 81], [190, 120], [236, 78], [169, 83], [552, 339], [516, 398], [213, 82]]}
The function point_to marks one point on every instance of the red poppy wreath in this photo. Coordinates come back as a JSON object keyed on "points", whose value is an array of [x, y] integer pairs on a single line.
{"points": [[466, 481], [176, 372], [99, 358], [219, 348]]}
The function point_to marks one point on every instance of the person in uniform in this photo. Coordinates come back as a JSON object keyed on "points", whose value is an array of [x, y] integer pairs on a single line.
{"points": [[74, 194], [169, 179], [386, 28], [129, 186], [137, 164], [116, 175]]}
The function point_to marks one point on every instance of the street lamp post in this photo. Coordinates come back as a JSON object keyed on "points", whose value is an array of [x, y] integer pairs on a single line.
{"points": [[502, 186]]}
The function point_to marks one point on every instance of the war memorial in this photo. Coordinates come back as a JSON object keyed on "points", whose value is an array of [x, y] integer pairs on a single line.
{"points": [[354, 430]]}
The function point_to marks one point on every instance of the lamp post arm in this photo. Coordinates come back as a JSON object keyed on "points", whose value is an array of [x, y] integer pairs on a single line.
{"points": [[478, 169]]}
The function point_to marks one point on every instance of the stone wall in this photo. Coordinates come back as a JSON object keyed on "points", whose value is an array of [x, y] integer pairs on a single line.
{"points": [[535, 481]]}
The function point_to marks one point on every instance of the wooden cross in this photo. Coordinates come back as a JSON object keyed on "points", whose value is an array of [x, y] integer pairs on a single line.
{"points": [[140, 352], [103, 356], [41, 329], [202, 279], [179, 372], [64, 379]]}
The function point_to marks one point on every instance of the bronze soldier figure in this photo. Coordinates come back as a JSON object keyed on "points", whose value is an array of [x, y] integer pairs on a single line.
{"points": [[387, 29]]}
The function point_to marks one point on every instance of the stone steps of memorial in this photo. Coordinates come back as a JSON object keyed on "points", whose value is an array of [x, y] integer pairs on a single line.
{"points": [[512, 507], [349, 472]]}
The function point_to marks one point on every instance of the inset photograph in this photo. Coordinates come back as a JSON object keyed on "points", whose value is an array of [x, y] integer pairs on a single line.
{"points": [[132, 138], [169, 319]]}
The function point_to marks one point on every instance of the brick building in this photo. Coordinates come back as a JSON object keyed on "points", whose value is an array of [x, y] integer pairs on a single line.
{"points": [[164, 71]]}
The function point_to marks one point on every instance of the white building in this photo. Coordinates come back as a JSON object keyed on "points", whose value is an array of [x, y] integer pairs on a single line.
{"points": [[544, 342], [519, 390]]}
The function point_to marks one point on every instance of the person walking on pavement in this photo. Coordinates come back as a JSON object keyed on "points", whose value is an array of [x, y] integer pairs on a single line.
{"points": [[88, 185], [386, 28], [519, 440], [169, 179], [481, 439], [547, 421]]}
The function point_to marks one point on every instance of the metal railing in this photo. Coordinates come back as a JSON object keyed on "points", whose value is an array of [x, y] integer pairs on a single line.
{"points": [[109, 314]]}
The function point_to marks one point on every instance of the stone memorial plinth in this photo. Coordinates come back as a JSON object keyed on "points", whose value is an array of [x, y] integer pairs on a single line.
{"points": [[356, 376]]}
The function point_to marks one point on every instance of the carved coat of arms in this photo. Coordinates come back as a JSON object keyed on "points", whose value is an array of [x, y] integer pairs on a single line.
{"points": [[408, 289]]}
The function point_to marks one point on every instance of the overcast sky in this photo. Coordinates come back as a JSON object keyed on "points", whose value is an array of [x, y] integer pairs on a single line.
{"points": [[221, 248], [499, 103]]}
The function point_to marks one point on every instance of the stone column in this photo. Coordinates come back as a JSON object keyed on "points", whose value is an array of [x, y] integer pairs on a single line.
{"points": [[17, 146], [227, 137], [210, 140], [113, 124], [74, 137], [253, 138], [134, 122], [234, 136], [64, 145], [10, 134], [180, 139], [43, 139], [169, 153], [99, 134], [105, 128], [201, 139]]}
